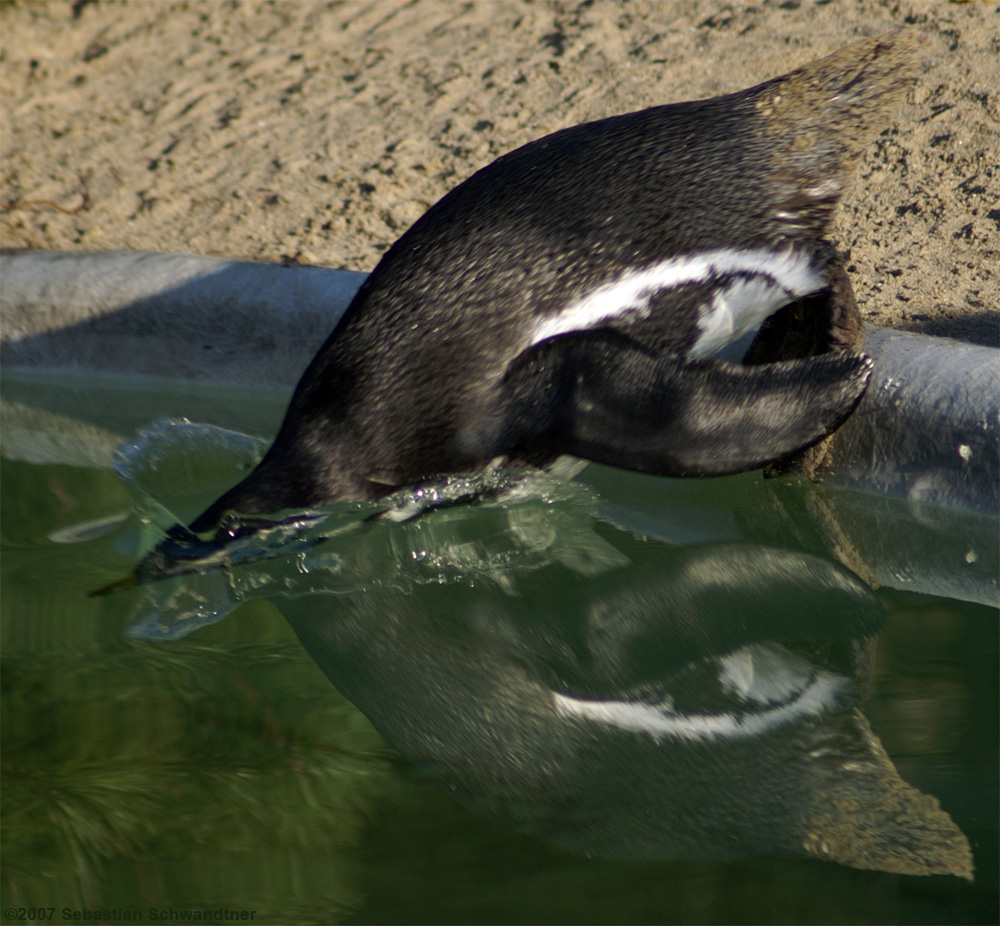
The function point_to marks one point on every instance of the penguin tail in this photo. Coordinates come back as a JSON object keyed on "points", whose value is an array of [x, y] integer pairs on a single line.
{"points": [[817, 121]]}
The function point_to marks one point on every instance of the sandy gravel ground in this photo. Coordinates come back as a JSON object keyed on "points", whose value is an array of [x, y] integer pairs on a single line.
{"points": [[318, 132]]}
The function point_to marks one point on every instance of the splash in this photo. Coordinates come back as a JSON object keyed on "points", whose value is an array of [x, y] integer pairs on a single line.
{"points": [[482, 528]]}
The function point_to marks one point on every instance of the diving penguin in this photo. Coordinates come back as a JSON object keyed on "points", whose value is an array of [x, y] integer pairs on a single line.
{"points": [[572, 296]]}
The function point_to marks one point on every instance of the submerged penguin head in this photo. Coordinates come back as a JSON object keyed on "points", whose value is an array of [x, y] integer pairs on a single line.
{"points": [[569, 298]]}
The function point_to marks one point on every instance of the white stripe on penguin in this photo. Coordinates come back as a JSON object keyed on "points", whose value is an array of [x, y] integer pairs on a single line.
{"points": [[767, 280]]}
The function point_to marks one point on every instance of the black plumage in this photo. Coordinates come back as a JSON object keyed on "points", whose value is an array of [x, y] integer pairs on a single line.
{"points": [[480, 334]]}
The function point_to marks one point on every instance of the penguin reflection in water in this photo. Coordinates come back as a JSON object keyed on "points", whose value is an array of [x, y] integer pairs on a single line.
{"points": [[573, 297]]}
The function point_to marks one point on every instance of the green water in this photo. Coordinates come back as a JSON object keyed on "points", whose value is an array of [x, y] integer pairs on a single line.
{"points": [[224, 771]]}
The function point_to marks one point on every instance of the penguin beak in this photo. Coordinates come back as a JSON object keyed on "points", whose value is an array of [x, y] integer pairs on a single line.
{"points": [[236, 541], [180, 552]]}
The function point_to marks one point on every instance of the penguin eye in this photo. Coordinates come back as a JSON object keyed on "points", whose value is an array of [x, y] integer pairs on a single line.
{"points": [[233, 527]]}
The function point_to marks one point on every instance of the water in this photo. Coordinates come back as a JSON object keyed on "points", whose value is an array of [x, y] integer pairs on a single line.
{"points": [[171, 765]]}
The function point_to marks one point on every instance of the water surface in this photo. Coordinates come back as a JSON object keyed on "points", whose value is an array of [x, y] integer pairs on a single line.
{"points": [[222, 768]]}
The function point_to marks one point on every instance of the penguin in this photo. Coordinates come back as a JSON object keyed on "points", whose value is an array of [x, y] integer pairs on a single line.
{"points": [[573, 296]]}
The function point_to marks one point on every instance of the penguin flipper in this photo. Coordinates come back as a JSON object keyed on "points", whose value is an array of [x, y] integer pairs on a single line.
{"points": [[603, 397]]}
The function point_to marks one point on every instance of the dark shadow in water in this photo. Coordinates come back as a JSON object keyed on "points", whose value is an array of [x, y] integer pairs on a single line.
{"points": [[623, 692], [697, 703]]}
